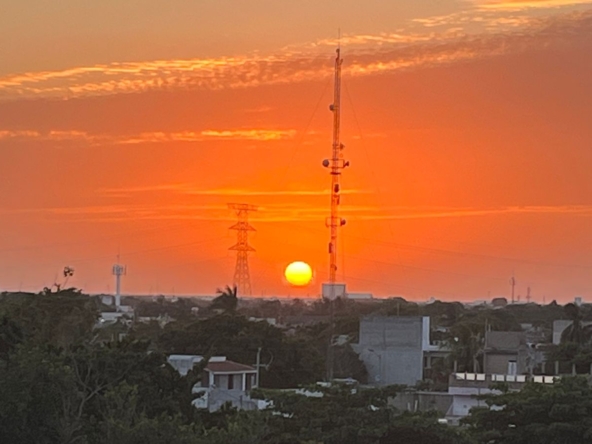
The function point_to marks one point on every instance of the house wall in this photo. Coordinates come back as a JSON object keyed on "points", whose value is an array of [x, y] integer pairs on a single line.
{"points": [[392, 349], [465, 398], [422, 402], [237, 398], [498, 363]]}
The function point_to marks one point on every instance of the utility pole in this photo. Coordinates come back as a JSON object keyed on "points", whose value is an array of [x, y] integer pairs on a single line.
{"points": [[258, 366], [242, 278], [513, 285], [528, 295]]}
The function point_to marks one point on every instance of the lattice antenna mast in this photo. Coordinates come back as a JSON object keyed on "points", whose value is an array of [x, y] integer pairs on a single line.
{"points": [[336, 164], [242, 278]]}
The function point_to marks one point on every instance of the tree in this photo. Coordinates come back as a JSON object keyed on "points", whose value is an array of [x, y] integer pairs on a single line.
{"points": [[576, 332], [466, 344], [422, 429], [293, 360], [226, 301], [538, 414]]}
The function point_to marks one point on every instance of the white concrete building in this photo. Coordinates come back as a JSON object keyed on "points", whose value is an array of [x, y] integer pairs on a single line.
{"points": [[223, 381], [395, 348]]}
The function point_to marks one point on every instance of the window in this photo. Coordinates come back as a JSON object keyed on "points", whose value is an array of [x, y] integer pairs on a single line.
{"points": [[512, 368], [230, 382]]}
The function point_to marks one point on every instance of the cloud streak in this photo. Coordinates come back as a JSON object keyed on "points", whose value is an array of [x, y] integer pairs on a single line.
{"points": [[284, 213], [367, 55], [512, 5], [260, 135], [192, 190]]}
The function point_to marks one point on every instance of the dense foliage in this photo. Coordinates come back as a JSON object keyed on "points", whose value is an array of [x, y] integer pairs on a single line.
{"points": [[66, 381]]}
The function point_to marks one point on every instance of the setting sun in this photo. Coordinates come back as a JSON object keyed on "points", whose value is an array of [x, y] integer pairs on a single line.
{"points": [[298, 273]]}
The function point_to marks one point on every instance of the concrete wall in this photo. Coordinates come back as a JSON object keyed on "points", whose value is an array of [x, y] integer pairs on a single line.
{"points": [[392, 349], [422, 402], [498, 364], [464, 401], [239, 399]]}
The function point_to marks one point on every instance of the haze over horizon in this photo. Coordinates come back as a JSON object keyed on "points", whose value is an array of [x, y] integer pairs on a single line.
{"points": [[126, 127]]}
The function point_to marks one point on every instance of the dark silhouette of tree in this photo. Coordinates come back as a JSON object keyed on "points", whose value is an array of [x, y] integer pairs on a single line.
{"points": [[539, 413], [227, 300], [576, 332]]}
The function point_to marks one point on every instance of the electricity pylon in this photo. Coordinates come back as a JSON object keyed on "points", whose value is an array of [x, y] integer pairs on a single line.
{"points": [[242, 279]]}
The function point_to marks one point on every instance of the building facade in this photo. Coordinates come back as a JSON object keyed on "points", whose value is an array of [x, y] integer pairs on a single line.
{"points": [[394, 349]]}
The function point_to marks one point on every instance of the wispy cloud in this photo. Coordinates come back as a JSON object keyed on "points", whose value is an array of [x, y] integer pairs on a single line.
{"points": [[366, 55], [528, 4], [276, 213], [193, 190], [261, 135]]}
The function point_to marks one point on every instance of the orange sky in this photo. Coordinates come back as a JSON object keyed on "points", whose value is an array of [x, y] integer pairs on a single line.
{"points": [[467, 124]]}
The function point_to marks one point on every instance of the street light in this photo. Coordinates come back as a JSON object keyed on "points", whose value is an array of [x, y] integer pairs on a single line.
{"points": [[377, 378]]}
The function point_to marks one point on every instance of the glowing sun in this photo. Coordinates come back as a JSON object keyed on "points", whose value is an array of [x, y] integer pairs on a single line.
{"points": [[298, 273]]}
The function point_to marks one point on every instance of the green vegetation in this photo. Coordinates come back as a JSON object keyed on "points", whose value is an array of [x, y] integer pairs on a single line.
{"points": [[538, 414], [64, 381]]}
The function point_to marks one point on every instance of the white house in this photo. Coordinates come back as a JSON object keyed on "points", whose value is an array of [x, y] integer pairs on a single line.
{"points": [[223, 381]]}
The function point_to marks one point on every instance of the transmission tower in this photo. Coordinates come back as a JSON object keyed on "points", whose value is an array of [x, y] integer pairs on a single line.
{"points": [[336, 164], [242, 279]]}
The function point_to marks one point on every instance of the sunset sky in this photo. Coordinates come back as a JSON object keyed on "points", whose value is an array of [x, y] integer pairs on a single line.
{"points": [[127, 126]]}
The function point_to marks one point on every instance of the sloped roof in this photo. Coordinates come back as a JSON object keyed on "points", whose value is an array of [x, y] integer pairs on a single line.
{"points": [[228, 367]]}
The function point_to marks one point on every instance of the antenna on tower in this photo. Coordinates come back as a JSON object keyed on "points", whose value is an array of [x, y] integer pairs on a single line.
{"points": [[242, 278], [513, 285]]}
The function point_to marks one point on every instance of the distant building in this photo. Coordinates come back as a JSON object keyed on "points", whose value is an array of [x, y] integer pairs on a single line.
{"points": [[395, 349], [184, 363], [333, 291], [464, 391], [359, 296], [111, 317], [499, 302], [506, 352], [223, 381]]}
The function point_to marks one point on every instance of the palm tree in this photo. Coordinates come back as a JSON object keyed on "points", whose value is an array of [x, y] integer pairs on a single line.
{"points": [[576, 332], [227, 299], [466, 344]]}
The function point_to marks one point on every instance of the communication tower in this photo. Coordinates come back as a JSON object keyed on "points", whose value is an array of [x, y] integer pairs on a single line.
{"points": [[336, 164], [242, 278], [118, 271]]}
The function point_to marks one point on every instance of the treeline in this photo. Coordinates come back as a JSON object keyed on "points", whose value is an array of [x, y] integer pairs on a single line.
{"points": [[63, 380]]}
